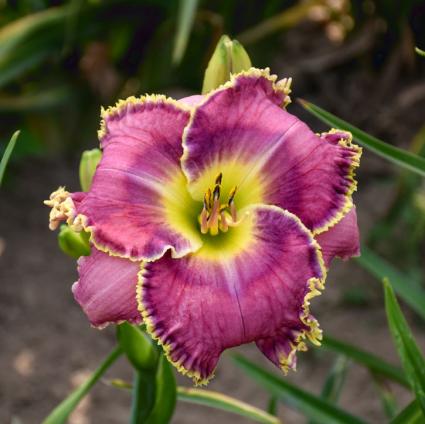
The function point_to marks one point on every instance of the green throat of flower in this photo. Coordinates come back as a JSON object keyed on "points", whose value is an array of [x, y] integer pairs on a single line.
{"points": [[216, 216]]}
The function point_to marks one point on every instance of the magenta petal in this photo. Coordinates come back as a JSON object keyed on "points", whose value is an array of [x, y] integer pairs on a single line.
{"points": [[206, 302], [125, 207], [106, 289], [297, 170], [342, 240]]}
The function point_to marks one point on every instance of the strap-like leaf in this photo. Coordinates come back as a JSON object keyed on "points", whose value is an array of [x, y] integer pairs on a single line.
{"points": [[393, 154], [412, 414], [310, 405], [61, 413], [373, 363], [226, 403], [6, 154], [186, 14], [409, 352], [413, 295]]}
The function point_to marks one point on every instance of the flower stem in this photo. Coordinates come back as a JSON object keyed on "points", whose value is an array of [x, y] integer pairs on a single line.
{"points": [[143, 396]]}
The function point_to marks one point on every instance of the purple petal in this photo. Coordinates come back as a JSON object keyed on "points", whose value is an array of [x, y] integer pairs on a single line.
{"points": [[214, 299], [106, 289], [137, 177], [295, 169], [342, 240]]}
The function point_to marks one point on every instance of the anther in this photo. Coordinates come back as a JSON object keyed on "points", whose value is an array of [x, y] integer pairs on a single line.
{"points": [[216, 193], [219, 178], [232, 194]]}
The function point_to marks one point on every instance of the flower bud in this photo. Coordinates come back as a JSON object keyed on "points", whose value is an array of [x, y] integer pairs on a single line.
{"points": [[138, 347], [229, 57], [72, 243], [88, 164]]}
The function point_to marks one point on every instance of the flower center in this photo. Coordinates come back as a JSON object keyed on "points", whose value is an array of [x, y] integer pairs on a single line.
{"points": [[217, 216]]}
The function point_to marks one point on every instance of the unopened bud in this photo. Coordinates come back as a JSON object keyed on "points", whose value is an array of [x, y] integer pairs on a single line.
{"points": [[138, 347], [88, 164], [72, 243], [229, 57]]}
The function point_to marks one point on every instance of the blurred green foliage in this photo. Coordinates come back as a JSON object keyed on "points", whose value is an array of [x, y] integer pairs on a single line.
{"points": [[61, 60]]}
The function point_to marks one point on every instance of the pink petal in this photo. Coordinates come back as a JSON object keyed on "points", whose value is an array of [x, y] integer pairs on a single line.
{"points": [[342, 240], [125, 208], [106, 289], [217, 298], [297, 170]]}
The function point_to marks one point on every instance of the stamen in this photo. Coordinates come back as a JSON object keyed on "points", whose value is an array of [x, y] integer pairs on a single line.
{"points": [[215, 216], [231, 204], [216, 192], [223, 222], [208, 195], [204, 220], [219, 178]]}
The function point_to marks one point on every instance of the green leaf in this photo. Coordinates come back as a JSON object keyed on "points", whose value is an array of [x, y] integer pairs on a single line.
{"points": [[165, 395], [138, 347], [272, 406], [411, 357], [391, 153], [7, 153], [61, 413], [412, 414], [310, 405], [413, 295], [45, 99], [373, 363], [186, 14], [22, 29], [225, 403], [289, 18], [387, 397], [335, 380], [419, 51]]}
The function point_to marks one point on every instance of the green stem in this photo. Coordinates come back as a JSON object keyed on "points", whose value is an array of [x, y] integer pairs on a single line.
{"points": [[143, 396]]}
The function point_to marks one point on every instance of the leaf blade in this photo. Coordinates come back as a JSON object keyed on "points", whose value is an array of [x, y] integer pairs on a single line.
{"points": [[310, 405], [372, 362], [411, 357], [391, 153], [186, 15], [225, 403], [60, 414], [7, 153], [378, 267]]}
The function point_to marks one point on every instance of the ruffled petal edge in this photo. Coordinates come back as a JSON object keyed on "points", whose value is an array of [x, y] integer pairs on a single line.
{"points": [[312, 332], [353, 153]]}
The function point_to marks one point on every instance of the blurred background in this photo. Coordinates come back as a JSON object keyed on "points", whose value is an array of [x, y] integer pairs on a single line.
{"points": [[61, 61]]}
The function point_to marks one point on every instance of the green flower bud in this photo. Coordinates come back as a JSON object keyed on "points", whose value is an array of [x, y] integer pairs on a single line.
{"points": [[88, 164], [72, 243], [138, 347], [229, 57]]}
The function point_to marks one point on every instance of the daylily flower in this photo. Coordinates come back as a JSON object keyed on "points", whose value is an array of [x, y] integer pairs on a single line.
{"points": [[213, 220]]}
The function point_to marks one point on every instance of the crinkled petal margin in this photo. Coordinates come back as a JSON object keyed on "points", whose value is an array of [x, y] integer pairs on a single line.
{"points": [[311, 332], [279, 94], [354, 153], [80, 221]]}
